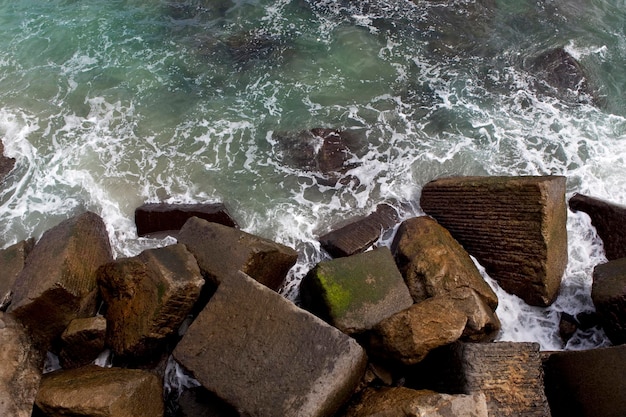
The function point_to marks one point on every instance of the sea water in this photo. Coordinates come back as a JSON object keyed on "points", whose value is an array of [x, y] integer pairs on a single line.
{"points": [[106, 105]]}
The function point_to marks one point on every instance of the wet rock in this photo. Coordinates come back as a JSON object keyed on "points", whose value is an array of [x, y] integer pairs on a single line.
{"points": [[147, 298], [434, 263], [483, 324], [405, 402], [514, 226], [199, 402], [12, 261], [359, 235], [608, 219], [260, 353], [82, 341], [608, 293], [104, 392], [587, 383], [6, 164], [509, 374], [58, 283], [356, 293], [567, 326], [220, 250], [408, 336], [162, 217], [20, 372]]}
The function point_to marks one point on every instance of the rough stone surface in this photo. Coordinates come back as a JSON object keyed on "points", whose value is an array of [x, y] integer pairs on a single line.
{"points": [[260, 353], [82, 341], [405, 402], [587, 383], [160, 217], [359, 235], [356, 293], [608, 293], [434, 263], [20, 369], [608, 219], [408, 336], [514, 226], [12, 260], [104, 392], [483, 324], [221, 250], [6, 164], [148, 297], [58, 283], [509, 374]]}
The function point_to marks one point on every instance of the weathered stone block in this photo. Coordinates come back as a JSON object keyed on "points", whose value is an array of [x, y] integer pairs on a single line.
{"points": [[58, 283], [514, 226], [103, 392], [608, 294], [483, 324], [221, 250], [12, 261], [356, 293], [266, 357], [82, 341]]}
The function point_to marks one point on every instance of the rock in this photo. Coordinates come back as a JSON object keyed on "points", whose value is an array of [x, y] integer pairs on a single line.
{"points": [[260, 353], [510, 375], [587, 383], [356, 293], [147, 298], [248, 48], [408, 336], [434, 263], [567, 326], [12, 260], [608, 219], [6, 164], [483, 324], [103, 392], [608, 294], [405, 402], [359, 235], [199, 402], [20, 372], [58, 283], [82, 341], [162, 217], [514, 226], [220, 250]]}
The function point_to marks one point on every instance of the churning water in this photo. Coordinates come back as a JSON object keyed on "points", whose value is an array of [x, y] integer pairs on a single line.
{"points": [[110, 104]]}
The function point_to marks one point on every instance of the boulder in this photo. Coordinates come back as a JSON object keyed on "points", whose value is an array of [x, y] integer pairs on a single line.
{"points": [[6, 164], [162, 217], [12, 261], [608, 219], [510, 375], [568, 325], [405, 402], [266, 357], [434, 263], [147, 298], [82, 341], [199, 402], [58, 283], [514, 226], [587, 383], [408, 336], [608, 294], [103, 392], [356, 293], [483, 324], [220, 250], [20, 372], [359, 235]]}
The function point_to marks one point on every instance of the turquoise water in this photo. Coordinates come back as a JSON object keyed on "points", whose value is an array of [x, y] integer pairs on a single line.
{"points": [[107, 105]]}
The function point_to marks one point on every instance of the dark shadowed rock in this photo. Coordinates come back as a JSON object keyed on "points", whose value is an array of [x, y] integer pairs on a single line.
{"points": [[162, 217], [58, 283], [6, 164], [220, 250], [608, 219], [266, 357], [12, 261], [567, 326], [199, 402], [514, 226], [104, 392], [608, 293], [587, 383], [359, 235], [20, 369], [82, 341], [356, 293], [148, 297]]}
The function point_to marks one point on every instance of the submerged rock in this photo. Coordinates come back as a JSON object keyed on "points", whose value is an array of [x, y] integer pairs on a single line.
{"points": [[608, 293], [12, 260]]}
